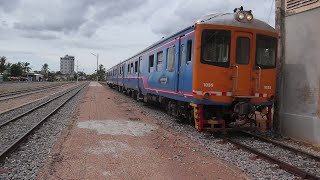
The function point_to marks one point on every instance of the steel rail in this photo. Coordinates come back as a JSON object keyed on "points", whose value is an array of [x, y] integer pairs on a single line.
{"points": [[20, 91], [283, 165], [3, 98], [36, 107], [317, 158], [16, 142], [27, 90]]}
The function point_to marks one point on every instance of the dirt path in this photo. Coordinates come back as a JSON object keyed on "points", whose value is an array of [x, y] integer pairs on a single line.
{"points": [[108, 140]]}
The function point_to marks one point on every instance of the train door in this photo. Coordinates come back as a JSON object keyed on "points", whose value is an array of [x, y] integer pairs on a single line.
{"points": [[138, 74], [117, 75], [242, 65], [122, 71], [181, 66]]}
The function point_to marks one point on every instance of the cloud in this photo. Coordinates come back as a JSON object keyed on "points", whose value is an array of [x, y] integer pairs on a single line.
{"points": [[8, 6], [116, 29], [40, 35], [71, 16], [185, 13]]}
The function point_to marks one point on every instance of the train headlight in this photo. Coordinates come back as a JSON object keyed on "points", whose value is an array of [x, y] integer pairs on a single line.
{"points": [[241, 15], [206, 95], [249, 17]]}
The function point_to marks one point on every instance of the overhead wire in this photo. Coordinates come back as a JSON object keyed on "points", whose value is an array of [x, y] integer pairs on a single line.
{"points": [[272, 3]]}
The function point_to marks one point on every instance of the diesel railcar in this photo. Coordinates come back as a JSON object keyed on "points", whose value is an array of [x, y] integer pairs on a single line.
{"points": [[218, 73]]}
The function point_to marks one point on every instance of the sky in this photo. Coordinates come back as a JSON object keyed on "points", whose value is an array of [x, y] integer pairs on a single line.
{"points": [[42, 31]]}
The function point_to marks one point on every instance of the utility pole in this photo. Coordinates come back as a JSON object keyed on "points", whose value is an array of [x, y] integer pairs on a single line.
{"points": [[280, 27], [97, 67], [97, 55], [77, 71]]}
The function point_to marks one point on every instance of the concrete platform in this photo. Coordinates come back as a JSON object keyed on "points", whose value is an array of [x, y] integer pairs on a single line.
{"points": [[110, 140]]}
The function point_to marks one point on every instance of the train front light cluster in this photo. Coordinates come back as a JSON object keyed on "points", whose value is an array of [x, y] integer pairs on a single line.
{"points": [[243, 16]]}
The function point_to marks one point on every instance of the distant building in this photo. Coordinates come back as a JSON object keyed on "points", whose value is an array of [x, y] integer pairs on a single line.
{"points": [[67, 64], [32, 76]]}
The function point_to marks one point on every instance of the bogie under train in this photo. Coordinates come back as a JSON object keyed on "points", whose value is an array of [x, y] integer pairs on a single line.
{"points": [[218, 73]]}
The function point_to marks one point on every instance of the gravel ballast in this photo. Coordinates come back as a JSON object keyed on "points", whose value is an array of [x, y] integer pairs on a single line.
{"points": [[26, 160], [14, 112], [256, 168]]}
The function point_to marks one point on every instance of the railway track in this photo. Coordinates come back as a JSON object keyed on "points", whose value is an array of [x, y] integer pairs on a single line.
{"points": [[13, 131], [294, 161], [25, 92]]}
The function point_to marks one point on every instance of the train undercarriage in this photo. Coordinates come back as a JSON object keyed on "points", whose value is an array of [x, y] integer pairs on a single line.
{"points": [[241, 114]]}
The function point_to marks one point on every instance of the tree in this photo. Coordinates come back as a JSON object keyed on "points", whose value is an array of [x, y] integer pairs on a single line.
{"points": [[45, 69], [8, 68], [101, 72], [58, 73], [16, 69], [26, 67], [51, 76], [2, 64]]}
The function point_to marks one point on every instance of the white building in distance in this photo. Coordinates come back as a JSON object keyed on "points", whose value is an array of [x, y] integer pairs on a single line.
{"points": [[67, 64]]}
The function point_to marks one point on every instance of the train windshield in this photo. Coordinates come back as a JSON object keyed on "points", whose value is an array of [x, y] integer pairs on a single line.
{"points": [[216, 47], [266, 51]]}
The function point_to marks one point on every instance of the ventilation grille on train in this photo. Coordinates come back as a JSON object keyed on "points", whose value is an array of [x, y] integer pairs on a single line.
{"points": [[295, 4]]}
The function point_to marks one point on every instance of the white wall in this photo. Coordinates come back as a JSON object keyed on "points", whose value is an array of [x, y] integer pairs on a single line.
{"points": [[300, 110]]}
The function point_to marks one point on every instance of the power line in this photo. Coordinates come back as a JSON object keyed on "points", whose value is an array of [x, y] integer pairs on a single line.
{"points": [[272, 2]]}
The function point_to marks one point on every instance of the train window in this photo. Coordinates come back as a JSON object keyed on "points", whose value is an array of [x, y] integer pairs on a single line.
{"points": [[171, 51], [215, 47], [151, 63], [131, 70], [189, 49], [140, 59], [182, 54], [128, 68], [243, 50], [136, 66], [159, 60], [266, 51]]}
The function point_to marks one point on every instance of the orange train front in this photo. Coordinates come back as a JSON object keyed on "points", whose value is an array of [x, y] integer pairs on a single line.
{"points": [[218, 73]]}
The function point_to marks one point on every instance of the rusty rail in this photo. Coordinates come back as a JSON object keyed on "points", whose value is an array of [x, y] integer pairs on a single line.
{"points": [[283, 165], [317, 158]]}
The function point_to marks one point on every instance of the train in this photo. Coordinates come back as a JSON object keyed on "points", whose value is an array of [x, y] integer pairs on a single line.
{"points": [[217, 73]]}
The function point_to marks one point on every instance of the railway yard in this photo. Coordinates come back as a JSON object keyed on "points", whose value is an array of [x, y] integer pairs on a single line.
{"points": [[145, 90], [90, 131]]}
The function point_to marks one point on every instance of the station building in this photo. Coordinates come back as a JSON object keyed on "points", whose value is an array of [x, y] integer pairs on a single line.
{"points": [[31, 76]]}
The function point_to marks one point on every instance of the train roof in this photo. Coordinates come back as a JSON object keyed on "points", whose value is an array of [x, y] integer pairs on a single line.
{"points": [[226, 19], [155, 44]]}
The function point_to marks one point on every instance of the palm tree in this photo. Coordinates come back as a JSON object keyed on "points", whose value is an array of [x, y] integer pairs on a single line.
{"points": [[26, 67]]}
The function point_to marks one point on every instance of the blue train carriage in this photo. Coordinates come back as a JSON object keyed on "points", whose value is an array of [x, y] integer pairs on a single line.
{"points": [[163, 70], [217, 73]]}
